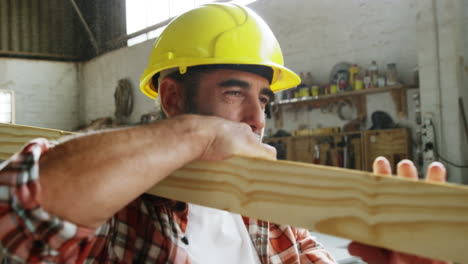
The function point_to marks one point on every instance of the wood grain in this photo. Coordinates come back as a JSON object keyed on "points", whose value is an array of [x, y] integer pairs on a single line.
{"points": [[13, 137], [427, 219]]}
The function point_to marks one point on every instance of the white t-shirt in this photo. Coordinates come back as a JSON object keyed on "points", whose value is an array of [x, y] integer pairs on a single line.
{"points": [[217, 236]]}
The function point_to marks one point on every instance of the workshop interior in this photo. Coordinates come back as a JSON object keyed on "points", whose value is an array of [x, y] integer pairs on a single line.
{"points": [[379, 78]]}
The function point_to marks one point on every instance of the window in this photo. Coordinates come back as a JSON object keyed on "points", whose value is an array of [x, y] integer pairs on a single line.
{"points": [[145, 13], [7, 106]]}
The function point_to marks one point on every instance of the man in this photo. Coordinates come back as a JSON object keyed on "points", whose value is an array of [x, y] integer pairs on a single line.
{"points": [[82, 201]]}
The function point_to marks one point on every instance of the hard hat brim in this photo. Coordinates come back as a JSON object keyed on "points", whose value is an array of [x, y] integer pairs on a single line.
{"points": [[283, 78]]}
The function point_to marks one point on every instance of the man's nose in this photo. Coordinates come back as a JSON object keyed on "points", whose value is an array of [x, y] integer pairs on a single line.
{"points": [[254, 115]]}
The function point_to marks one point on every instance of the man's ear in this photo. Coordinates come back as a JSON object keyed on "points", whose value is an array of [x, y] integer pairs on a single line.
{"points": [[172, 97]]}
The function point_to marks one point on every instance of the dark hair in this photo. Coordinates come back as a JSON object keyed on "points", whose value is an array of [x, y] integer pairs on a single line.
{"points": [[193, 73]]}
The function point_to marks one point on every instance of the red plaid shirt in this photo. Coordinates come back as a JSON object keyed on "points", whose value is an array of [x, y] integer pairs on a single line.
{"points": [[148, 230]]}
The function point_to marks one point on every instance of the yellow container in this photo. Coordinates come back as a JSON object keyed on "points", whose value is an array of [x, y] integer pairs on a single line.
{"points": [[315, 90], [305, 91], [353, 71], [359, 85]]}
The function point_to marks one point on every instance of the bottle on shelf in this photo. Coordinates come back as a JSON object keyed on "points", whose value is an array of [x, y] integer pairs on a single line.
{"points": [[342, 81], [297, 90], [308, 80], [353, 72], [315, 90], [392, 78], [381, 81], [367, 80], [333, 88], [358, 83], [374, 73], [306, 89]]}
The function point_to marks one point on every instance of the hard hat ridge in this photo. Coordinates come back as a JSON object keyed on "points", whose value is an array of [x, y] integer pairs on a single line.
{"points": [[217, 34]]}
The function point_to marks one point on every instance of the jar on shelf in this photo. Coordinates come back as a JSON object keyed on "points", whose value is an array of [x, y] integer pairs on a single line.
{"points": [[392, 78], [381, 82]]}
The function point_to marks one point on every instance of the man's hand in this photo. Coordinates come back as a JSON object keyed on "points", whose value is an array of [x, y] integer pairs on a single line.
{"points": [[230, 138], [374, 255], [112, 168]]}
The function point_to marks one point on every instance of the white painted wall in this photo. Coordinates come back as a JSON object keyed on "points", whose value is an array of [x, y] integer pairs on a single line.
{"points": [[46, 93], [99, 78], [442, 51], [316, 34], [464, 86]]}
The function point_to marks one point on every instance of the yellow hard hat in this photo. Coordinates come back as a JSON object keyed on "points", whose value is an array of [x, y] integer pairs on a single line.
{"points": [[217, 33]]}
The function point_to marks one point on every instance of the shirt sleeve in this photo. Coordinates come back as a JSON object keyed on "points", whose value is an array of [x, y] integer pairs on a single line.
{"points": [[27, 232], [310, 250]]}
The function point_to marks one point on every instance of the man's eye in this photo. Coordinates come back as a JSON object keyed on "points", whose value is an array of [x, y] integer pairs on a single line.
{"points": [[264, 100], [234, 93]]}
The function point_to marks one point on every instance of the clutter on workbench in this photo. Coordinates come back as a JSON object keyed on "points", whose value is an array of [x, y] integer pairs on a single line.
{"points": [[318, 131], [280, 145], [344, 96], [353, 150], [354, 125], [382, 120], [150, 117], [99, 124]]}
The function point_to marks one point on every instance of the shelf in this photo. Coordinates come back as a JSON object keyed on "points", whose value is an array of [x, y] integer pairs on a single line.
{"points": [[342, 94], [398, 94], [338, 134]]}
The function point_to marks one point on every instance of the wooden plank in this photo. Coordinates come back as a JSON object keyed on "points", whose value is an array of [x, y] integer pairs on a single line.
{"points": [[428, 219], [13, 137]]}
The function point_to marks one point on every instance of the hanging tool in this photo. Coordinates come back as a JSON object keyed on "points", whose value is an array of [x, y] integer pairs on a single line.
{"points": [[123, 98], [316, 154], [340, 155], [331, 145], [344, 151]]}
